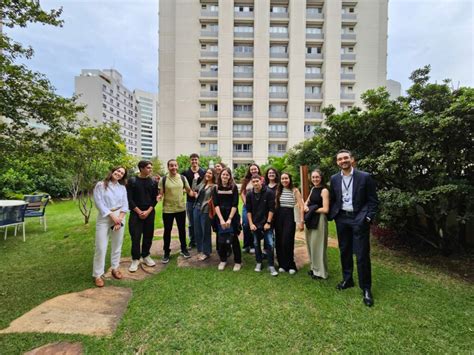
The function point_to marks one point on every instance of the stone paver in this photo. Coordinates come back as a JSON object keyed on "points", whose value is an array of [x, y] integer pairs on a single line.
{"points": [[95, 311], [60, 348]]}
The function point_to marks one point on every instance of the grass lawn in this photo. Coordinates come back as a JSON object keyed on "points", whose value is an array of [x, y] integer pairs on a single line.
{"points": [[202, 311]]}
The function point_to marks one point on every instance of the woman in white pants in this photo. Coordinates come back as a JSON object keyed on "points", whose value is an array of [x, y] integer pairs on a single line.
{"points": [[110, 197]]}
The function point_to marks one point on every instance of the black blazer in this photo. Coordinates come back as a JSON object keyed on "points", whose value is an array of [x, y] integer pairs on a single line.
{"points": [[364, 196]]}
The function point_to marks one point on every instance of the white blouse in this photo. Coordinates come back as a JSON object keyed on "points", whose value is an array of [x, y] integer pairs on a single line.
{"points": [[114, 197]]}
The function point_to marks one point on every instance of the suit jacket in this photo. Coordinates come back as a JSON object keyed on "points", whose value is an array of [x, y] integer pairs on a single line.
{"points": [[364, 196]]}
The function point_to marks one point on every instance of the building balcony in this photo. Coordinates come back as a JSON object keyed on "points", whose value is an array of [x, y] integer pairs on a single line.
{"points": [[208, 114], [240, 154], [243, 134], [278, 95], [348, 77], [207, 13], [314, 16], [209, 153], [243, 55], [243, 15], [209, 54], [278, 75], [243, 94], [272, 134], [313, 115], [314, 76], [278, 114], [208, 134], [279, 15], [209, 74], [313, 96], [208, 93], [243, 34], [278, 55], [348, 56], [349, 17], [313, 36], [346, 96], [348, 37], [276, 153], [314, 56], [279, 35], [243, 75], [213, 34], [243, 114]]}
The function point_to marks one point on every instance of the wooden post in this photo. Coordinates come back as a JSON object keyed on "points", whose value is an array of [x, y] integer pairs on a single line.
{"points": [[304, 182]]}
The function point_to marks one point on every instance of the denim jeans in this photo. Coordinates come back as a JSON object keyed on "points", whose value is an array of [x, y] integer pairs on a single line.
{"points": [[190, 214], [248, 237], [267, 237], [202, 231]]}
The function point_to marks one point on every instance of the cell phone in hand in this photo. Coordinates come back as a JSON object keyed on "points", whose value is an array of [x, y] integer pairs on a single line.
{"points": [[121, 225]]}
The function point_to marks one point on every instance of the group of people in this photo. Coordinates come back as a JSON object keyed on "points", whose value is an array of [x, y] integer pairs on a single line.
{"points": [[273, 208]]}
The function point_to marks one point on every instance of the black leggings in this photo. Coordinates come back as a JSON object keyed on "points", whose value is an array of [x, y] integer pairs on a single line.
{"points": [[222, 249], [285, 228], [168, 225]]}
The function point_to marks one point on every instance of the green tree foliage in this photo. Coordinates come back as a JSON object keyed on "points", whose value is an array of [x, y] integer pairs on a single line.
{"points": [[419, 149]]}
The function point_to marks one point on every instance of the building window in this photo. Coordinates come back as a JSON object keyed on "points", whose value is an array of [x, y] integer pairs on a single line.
{"points": [[313, 70], [278, 69], [313, 50], [243, 69], [277, 128], [277, 108], [243, 147], [243, 88], [243, 29], [243, 108], [314, 30], [243, 8], [312, 89], [278, 88], [278, 49], [279, 9], [278, 29]]}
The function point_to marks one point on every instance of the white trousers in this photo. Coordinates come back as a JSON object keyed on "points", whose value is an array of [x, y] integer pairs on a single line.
{"points": [[102, 233]]}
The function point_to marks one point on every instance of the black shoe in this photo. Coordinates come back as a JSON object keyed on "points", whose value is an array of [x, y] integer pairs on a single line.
{"points": [[316, 277], [345, 284], [185, 254], [192, 246], [367, 298], [165, 259], [310, 273]]}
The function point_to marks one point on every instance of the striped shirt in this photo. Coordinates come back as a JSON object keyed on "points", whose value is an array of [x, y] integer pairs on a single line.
{"points": [[287, 198]]}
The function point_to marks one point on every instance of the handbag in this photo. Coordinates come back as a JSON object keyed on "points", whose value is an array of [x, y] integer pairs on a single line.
{"points": [[212, 208]]}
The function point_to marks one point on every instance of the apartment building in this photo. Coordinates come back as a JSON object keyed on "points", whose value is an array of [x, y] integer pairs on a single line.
{"points": [[147, 123], [108, 100], [247, 79]]}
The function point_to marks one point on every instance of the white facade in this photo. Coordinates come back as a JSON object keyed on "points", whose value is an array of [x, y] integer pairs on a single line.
{"points": [[107, 100], [247, 79], [394, 88], [147, 122]]}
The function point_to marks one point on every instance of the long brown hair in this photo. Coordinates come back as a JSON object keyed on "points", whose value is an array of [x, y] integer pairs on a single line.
{"points": [[122, 181], [248, 176], [279, 189], [231, 182]]}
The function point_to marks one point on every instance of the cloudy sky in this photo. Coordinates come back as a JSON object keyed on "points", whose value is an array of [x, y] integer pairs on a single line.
{"points": [[122, 34]]}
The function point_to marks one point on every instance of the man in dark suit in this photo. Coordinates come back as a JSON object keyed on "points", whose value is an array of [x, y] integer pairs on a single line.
{"points": [[353, 206]]}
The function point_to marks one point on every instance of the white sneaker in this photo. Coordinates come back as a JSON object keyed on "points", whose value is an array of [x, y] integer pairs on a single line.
{"points": [[281, 270], [237, 267], [149, 261], [252, 251], [272, 270], [221, 266], [292, 271], [258, 267], [134, 265]]}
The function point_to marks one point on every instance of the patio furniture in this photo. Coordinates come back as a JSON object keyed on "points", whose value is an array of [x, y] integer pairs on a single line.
{"points": [[12, 213], [37, 207]]}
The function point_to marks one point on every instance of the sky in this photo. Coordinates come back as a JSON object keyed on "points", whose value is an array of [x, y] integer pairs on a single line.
{"points": [[123, 34]]}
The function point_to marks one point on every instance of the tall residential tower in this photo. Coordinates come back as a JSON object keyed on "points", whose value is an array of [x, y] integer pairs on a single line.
{"points": [[247, 79]]}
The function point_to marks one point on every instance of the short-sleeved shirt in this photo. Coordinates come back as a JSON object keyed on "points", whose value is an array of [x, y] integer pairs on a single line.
{"points": [[173, 200]]}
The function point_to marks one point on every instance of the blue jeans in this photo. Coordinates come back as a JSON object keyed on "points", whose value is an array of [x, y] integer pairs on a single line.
{"points": [[202, 231], [267, 237], [190, 214], [248, 237]]}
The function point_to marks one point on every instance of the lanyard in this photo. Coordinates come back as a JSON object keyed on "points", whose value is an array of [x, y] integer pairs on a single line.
{"points": [[348, 185]]}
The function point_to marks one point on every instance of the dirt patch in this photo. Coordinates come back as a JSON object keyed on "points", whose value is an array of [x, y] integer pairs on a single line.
{"points": [[61, 348], [157, 247], [194, 262], [142, 273], [95, 311]]}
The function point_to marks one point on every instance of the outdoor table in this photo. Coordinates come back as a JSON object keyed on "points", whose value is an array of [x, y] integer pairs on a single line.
{"points": [[9, 203]]}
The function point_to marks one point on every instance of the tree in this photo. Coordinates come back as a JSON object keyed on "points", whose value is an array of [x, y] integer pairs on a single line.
{"points": [[89, 156], [204, 161], [420, 151]]}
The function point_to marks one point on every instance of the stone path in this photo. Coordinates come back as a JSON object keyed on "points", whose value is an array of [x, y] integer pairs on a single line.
{"points": [[95, 311], [60, 348]]}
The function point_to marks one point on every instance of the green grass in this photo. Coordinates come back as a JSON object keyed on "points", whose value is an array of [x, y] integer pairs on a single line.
{"points": [[202, 311]]}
